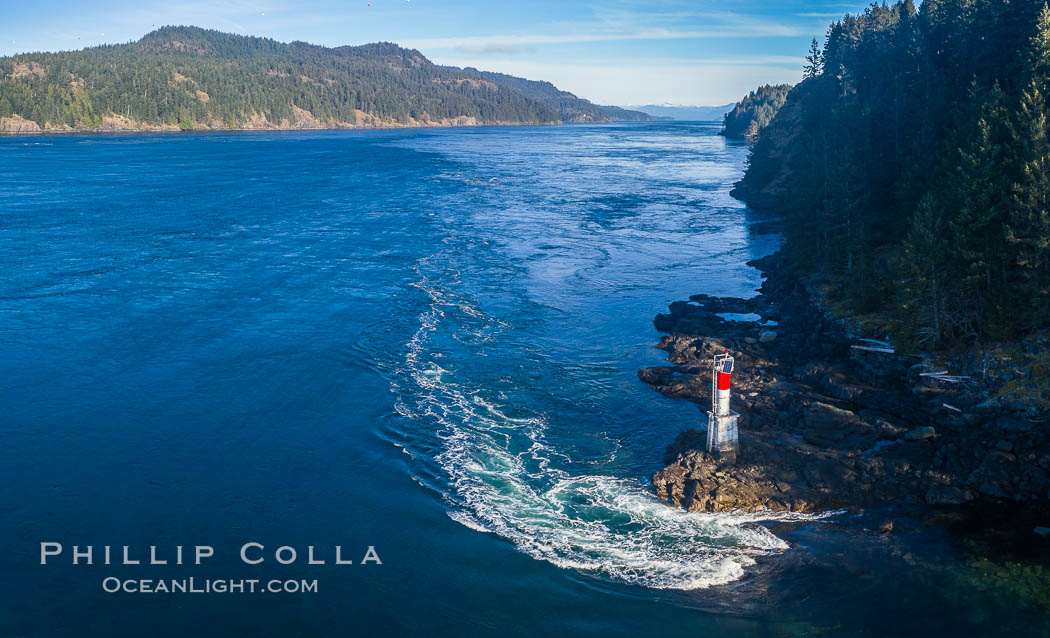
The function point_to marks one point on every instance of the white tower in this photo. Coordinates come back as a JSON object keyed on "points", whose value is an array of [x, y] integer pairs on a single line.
{"points": [[722, 437]]}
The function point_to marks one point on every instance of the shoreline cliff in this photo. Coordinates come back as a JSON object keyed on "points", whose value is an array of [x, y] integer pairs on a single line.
{"points": [[17, 126]]}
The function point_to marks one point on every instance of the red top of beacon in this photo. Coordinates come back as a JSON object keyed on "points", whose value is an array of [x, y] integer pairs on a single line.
{"points": [[725, 374]]}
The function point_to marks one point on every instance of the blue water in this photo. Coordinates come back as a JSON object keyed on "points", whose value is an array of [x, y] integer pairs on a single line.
{"points": [[424, 341]]}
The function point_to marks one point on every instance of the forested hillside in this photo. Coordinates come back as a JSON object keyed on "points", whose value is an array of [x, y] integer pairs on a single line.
{"points": [[755, 111], [187, 77], [568, 106], [620, 114], [913, 163]]}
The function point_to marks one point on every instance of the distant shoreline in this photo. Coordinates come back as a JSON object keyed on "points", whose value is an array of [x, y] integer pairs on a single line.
{"points": [[288, 129], [385, 127]]}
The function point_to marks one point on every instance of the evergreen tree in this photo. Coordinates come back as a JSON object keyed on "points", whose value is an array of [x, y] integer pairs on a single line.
{"points": [[912, 124], [923, 282], [1028, 224], [814, 61], [981, 203]]}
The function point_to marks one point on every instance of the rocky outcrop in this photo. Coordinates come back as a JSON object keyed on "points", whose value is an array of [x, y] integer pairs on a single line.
{"points": [[769, 176], [302, 119], [826, 426], [17, 124]]}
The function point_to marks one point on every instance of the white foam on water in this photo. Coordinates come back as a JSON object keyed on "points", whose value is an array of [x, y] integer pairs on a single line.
{"points": [[465, 519], [743, 317], [503, 479]]}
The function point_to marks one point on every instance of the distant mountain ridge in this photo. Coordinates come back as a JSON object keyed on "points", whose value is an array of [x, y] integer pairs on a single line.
{"points": [[192, 78], [570, 107], [687, 113]]}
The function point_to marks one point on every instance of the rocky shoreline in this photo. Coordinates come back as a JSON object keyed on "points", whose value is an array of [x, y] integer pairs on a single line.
{"points": [[18, 126], [828, 425]]}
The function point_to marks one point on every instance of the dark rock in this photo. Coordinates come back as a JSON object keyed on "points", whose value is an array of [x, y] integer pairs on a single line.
{"points": [[948, 496], [991, 489], [920, 434]]}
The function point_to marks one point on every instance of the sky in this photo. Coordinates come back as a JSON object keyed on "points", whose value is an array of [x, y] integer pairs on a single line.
{"points": [[698, 52]]}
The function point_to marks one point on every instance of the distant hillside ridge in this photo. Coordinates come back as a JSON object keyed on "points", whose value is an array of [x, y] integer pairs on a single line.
{"points": [[755, 111], [184, 77], [686, 113], [570, 107]]}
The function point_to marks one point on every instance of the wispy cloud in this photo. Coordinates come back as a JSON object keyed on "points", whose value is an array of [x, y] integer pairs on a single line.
{"points": [[495, 49], [579, 38], [747, 60], [623, 22]]}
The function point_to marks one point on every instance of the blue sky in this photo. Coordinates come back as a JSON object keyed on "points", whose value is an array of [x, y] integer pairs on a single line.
{"points": [[611, 52]]}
